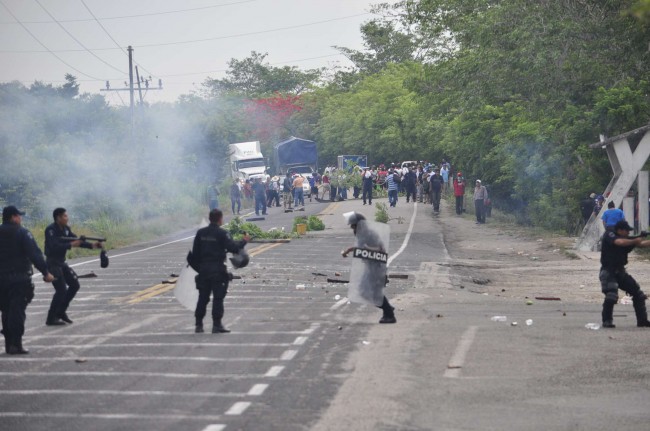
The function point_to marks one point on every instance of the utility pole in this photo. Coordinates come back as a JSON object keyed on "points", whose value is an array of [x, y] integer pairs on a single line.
{"points": [[129, 87]]}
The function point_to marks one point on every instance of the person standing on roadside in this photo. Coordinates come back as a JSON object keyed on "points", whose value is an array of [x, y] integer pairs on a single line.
{"points": [[480, 195], [299, 198], [18, 251], [66, 283], [287, 191], [459, 192], [260, 196], [235, 196], [436, 185], [616, 245], [367, 181], [393, 184], [209, 250]]}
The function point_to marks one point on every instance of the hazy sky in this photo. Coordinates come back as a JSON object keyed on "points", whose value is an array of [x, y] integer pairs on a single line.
{"points": [[179, 41]]}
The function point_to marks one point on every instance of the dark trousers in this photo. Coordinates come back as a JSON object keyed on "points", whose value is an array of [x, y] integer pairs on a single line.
{"points": [[435, 199], [66, 286], [218, 288], [459, 205], [13, 303], [260, 205], [392, 197], [388, 309], [411, 192], [273, 196], [613, 279], [367, 193], [479, 207], [234, 201]]}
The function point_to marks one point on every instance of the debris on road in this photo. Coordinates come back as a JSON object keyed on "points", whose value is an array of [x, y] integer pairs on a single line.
{"points": [[593, 326], [499, 318], [547, 298], [89, 275], [336, 280]]}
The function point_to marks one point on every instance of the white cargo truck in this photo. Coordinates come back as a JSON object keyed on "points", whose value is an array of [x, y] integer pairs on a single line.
{"points": [[247, 161]]}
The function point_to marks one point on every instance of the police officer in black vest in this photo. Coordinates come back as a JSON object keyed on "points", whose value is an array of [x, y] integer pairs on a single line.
{"points": [[18, 251], [66, 284], [211, 244], [616, 245]]}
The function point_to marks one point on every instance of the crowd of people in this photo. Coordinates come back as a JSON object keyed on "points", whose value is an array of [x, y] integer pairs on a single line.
{"points": [[423, 182]]}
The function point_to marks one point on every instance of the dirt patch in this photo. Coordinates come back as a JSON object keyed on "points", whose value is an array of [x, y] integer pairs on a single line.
{"points": [[509, 262]]}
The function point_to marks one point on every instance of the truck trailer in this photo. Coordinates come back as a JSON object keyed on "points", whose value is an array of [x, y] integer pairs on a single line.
{"points": [[247, 161]]}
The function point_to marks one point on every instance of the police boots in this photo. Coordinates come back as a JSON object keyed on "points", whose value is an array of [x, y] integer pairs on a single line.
{"points": [[218, 328]]}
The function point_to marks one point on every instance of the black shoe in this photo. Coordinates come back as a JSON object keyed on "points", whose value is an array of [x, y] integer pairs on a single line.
{"points": [[388, 319], [17, 350], [54, 322], [65, 318], [219, 329], [608, 324], [645, 324], [198, 329]]}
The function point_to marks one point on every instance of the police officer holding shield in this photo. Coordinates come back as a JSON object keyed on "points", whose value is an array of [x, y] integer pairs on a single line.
{"points": [[616, 245], [18, 251], [211, 244]]}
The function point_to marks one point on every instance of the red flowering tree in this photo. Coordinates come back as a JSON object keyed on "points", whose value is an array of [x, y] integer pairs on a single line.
{"points": [[268, 117]]}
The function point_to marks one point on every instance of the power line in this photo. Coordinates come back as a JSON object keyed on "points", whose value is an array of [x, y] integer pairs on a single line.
{"points": [[139, 15], [232, 36], [111, 37], [43, 45], [77, 40]]}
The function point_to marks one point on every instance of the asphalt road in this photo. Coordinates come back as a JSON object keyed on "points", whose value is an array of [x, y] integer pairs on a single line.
{"points": [[303, 358]]}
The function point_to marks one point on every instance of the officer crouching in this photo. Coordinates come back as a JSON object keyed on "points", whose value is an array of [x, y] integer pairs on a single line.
{"points": [[616, 245], [211, 244], [18, 251]]}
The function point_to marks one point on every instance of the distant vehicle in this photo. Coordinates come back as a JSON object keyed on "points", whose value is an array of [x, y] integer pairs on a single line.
{"points": [[295, 153], [409, 163], [247, 161], [346, 162]]}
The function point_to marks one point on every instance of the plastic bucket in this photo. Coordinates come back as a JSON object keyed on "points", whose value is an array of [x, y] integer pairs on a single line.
{"points": [[301, 228]]}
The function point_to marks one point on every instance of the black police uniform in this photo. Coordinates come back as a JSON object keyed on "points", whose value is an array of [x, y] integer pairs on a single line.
{"points": [[66, 283], [18, 251], [211, 244], [613, 276]]}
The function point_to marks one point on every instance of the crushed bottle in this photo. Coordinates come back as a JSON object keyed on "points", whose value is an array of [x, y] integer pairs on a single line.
{"points": [[499, 318], [593, 326], [529, 322]]}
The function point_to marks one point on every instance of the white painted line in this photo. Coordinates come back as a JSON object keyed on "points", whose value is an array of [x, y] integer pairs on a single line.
{"points": [[458, 358], [258, 389], [288, 355], [159, 334], [406, 238], [299, 341], [311, 330], [238, 408], [95, 345], [274, 371], [120, 374], [121, 416], [139, 358], [339, 303], [109, 392], [215, 427]]}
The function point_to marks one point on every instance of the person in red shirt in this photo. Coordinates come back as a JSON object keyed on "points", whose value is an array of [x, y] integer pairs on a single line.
{"points": [[459, 192]]}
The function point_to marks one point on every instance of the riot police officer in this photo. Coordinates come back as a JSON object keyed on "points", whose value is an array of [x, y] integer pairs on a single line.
{"points": [[616, 244], [18, 251], [66, 284], [211, 244]]}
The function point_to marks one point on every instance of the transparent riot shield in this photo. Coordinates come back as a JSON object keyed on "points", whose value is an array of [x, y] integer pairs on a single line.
{"points": [[369, 259], [185, 290]]}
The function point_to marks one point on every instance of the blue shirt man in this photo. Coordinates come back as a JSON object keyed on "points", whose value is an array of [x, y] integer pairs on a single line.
{"points": [[612, 216]]}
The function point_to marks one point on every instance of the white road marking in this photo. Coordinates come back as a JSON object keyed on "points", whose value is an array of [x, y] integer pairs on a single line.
{"points": [[274, 371], [288, 355], [310, 330], [299, 341], [339, 303], [238, 408], [458, 358], [141, 358], [258, 389], [161, 334], [406, 238], [120, 392], [215, 427], [96, 345], [114, 374], [109, 416]]}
